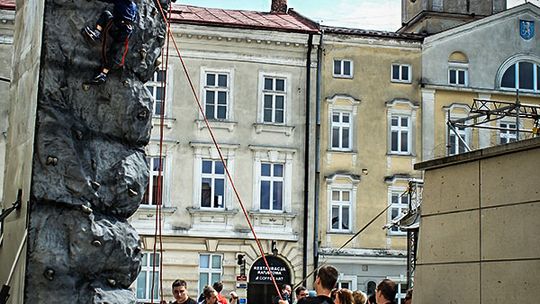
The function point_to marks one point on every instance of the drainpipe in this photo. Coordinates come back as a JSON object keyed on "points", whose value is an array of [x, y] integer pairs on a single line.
{"points": [[317, 154], [306, 156]]}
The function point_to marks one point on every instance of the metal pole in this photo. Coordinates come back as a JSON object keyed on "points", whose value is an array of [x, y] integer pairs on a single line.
{"points": [[517, 114]]}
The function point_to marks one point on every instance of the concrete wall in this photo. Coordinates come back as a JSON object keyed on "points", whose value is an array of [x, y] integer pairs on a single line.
{"points": [[7, 19], [20, 139], [478, 234]]}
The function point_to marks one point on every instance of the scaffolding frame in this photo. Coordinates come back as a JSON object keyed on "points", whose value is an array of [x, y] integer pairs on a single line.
{"points": [[483, 111]]}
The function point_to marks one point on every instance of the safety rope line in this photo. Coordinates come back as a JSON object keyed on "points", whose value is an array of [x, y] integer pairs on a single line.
{"points": [[342, 246], [159, 195], [220, 153]]}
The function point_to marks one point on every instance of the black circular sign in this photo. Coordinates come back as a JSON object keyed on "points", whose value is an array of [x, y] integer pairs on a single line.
{"points": [[280, 270]]}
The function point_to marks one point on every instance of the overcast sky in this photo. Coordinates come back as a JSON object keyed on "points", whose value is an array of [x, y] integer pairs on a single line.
{"points": [[365, 14]]}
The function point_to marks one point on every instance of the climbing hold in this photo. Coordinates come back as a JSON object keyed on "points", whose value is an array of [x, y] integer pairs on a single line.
{"points": [[85, 86], [143, 115], [79, 134], [86, 209], [95, 185], [49, 274], [126, 83], [157, 63], [111, 282], [51, 160], [132, 192], [143, 54], [96, 243], [94, 165]]}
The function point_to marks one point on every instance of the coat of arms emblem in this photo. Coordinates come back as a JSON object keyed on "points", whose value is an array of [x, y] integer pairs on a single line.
{"points": [[526, 29]]}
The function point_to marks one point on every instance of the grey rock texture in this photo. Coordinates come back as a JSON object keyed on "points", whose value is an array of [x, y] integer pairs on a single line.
{"points": [[89, 166]]}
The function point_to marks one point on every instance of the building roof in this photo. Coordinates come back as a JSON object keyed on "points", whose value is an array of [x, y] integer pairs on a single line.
{"points": [[370, 33], [7, 4], [291, 21]]}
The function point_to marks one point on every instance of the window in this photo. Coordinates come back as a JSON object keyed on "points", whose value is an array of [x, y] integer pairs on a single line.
{"points": [[400, 136], [457, 76], [341, 211], [210, 269], [212, 184], [399, 204], [343, 68], [456, 145], [156, 87], [274, 98], [523, 75], [507, 134], [271, 187], [401, 73], [401, 292], [152, 195], [341, 131], [347, 281], [149, 270], [216, 95]]}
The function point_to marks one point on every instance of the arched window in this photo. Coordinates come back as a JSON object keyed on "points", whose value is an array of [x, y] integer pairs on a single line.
{"points": [[371, 287], [458, 69], [522, 75]]}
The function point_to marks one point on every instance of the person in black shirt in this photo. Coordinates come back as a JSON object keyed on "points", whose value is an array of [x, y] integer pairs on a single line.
{"points": [[325, 281]]}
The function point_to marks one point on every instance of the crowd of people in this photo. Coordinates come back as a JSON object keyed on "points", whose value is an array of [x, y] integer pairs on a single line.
{"points": [[325, 292]]}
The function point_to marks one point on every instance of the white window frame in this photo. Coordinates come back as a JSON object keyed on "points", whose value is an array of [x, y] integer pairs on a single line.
{"points": [[351, 279], [342, 64], [400, 77], [400, 206], [272, 179], [208, 151], [229, 91], [164, 180], [341, 126], [342, 182], [152, 86], [336, 104], [286, 96], [508, 135], [516, 63], [457, 70], [340, 203], [396, 108], [276, 155], [465, 134], [213, 176], [399, 129], [149, 270], [209, 271]]}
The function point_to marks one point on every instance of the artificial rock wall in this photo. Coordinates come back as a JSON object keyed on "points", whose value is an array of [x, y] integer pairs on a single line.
{"points": [[89, 166]]}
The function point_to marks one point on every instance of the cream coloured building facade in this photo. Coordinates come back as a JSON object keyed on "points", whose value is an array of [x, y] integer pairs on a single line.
{"points": [[253, 84], [370, 138]]}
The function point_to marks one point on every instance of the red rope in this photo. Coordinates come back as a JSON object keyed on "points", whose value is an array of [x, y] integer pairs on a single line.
{"points": [[159, 196], [218, 148]]}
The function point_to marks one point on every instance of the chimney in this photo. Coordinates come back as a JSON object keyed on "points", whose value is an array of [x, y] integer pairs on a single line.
{"points": [[279, 6]]}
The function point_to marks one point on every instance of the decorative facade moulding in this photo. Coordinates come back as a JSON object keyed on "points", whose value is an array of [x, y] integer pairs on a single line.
{"points": [[405, 101]]}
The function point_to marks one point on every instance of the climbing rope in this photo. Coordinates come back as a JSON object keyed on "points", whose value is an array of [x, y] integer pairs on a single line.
{"points": [[159, 195], [217, 146]]}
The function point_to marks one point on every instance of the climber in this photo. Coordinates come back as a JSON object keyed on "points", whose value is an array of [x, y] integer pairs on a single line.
{"points": [[117, 25]]}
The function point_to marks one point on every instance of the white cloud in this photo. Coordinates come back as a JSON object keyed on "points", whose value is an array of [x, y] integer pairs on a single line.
{"points": [[366, 14]]}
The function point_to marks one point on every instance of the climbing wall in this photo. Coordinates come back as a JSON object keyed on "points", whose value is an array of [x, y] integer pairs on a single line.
{"points": [[89, 166]]}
